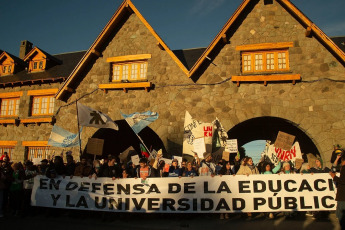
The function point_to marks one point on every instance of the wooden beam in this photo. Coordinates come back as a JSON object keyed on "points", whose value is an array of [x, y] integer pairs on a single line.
{"points": [[125, 90], [308, 31], [145, 84], [37, 120], [95, 52], [266, 78], [11, 94], [8, 143], [224, 38], [68, 89], [42, 92], [34, 143], [160, 46], [264, 46], [8, 121], [129, 58]]}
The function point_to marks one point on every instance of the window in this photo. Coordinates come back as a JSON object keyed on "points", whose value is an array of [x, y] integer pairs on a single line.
{"points": [[43, 105], [8, 149], [129, 71], [9, 107], [41, 152], [265, 61]]}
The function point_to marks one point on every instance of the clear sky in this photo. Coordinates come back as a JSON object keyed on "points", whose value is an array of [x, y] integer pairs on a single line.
{"points": [[72, 25]]}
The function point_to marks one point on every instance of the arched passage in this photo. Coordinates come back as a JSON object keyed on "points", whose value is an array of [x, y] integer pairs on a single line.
{"points": [[267, 128], [116, 142]]}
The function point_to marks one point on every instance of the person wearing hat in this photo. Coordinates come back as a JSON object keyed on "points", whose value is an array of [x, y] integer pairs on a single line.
{"points": [[286, 169], [207, 167], [335, 159]]}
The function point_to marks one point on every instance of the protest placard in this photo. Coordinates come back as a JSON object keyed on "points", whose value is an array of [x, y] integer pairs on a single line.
{"points": [[274, 154], [284, 141], [231, 146], [95, 146], [226, 156], [128, 152], [36, 161], [226, 194], [199, 146], [135, 159]]}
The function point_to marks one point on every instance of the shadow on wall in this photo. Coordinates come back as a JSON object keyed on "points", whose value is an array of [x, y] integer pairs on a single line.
{"points": [[267, 128], [115, 142]]}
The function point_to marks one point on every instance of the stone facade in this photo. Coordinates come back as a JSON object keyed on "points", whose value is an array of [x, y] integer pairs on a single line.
{"points": [[314, 104]]}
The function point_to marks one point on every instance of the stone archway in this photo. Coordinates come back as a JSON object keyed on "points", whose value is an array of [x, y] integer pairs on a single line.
{"points": [[116, 142], [267, 128]]}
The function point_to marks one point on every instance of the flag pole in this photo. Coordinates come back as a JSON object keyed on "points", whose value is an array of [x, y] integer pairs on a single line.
{"points": [[139, 137], [76, 103]]}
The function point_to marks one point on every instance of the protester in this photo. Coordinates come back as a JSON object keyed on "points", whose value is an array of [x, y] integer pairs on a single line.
{"points": [[70, 165], [42, 168], [3, 156], [16, 189], [111, 170], [318, 168], [83, 169], [189, 171], [340, 196], [28, 183], [266, 169], [174, 170], [96, 166], [247, 167], [56, 168], [207, 167], [335, 158], [226, 169], [286, 169], [3, 186], [143, 171], [305, 168]]}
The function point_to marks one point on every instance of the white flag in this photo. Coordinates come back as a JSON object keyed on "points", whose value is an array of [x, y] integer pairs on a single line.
{"points": [[93, 118]]}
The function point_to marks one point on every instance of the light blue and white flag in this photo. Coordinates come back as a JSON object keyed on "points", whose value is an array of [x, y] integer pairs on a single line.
{"points": [[60, 137], [138, 121]]}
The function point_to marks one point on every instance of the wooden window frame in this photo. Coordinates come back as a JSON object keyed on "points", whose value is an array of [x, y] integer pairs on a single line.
{"points": [[40, 97], [264, 61], [44, 154], [129, 77], [16, 102], [40, 65]]}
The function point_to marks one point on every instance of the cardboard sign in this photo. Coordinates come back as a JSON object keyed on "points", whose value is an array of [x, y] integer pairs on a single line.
{"points": [[231, 146], [135, 159], [298, 163], [36, 161], [226, 156], [199, 147], [95, 146], [284, 141], [128, 152]]}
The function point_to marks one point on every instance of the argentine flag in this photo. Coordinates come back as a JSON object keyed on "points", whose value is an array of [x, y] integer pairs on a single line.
{"points": [[60, 137], [138, 121]]}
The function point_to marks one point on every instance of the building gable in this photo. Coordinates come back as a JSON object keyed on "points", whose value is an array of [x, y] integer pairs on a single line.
{"points": [[225, 36], [126, 11]]}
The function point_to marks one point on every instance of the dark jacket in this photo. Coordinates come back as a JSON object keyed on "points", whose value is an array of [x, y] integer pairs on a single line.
{"points": [[340, 185]]}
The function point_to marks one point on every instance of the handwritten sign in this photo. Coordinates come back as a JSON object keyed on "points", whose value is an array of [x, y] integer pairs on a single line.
{"points": [[135, 159], [199, 147], [284, 141], [275, 153], [231, 146]]}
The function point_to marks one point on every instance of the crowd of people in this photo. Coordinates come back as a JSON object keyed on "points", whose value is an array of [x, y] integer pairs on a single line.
{"points": [[17, 179]]}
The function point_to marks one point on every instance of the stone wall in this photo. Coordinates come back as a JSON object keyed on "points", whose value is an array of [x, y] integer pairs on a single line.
{"points": [[314, 105]]}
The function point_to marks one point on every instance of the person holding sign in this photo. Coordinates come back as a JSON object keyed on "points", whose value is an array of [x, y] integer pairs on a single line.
{"points": [[207, 167], [174, 170], [340, 197], [144, 171]]}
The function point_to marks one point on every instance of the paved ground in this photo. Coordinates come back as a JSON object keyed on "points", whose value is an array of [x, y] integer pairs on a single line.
{"points": [[62, 220]]}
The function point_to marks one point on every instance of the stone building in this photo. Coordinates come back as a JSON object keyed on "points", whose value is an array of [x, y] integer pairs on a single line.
{"points": [[269, 69], [28, 84]]}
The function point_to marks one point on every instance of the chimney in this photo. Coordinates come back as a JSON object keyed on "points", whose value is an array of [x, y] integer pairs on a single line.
{"points": [[25, 47]]}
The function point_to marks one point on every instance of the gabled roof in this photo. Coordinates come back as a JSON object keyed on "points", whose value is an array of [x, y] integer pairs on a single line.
{"points": [[189, 56], [15, 59], [55, 73], [292, 9], [125, 9], [340, 42], [38, 50]]}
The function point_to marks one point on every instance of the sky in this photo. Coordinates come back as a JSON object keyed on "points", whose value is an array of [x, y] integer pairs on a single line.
{"points": [[72, 25]]}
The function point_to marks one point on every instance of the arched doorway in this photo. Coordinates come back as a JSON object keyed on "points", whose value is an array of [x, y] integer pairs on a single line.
{"points": [[115, 142], [267, 128]]}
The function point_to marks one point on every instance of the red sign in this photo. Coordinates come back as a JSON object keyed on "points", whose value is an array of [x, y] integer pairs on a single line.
{"points": [[208, 131]]}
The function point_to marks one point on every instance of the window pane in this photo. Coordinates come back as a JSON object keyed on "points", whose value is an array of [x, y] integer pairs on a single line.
{"points": [[134, 71], [143, 70], [35, 65], [17, 107], [116, 72], [4, 69], [9, 69], [36, 106], [44, 105], [258, 61], [41, 65], [10, 107], [125, 72], [51, 105]]}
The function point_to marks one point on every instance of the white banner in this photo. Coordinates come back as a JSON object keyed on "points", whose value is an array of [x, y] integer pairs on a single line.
{"points": [[254, 193]]}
